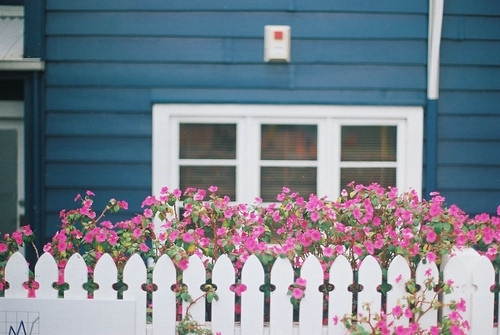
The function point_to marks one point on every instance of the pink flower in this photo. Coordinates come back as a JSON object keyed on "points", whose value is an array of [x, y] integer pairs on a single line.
{"points": [[137, 233], [431, 236], [47, 248], [3, 247], [101, 236], [148, 213], [144, 247], [239, 289], [90, 193], [397, 311], [328, 251], [398, 279], [297, 293], [301, 281], [213, 189], [431, 257], [122, 204], [187, 237], [27, 230], [183, 264], [221, 231], [18, 237], [199, 195], [461, 305], [314, 216]]}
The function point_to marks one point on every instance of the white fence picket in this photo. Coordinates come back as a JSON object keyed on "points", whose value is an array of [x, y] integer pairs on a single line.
{"points": [[398, 275], [311, 306], [46, 274], [427, 272], [76, 274], [370, 277], [340, 299], [16, 273], [134, 275], [252, 300], [281, 310], [164, 306], [483, 278], [223, 277], [105, 275], [194, 277]]}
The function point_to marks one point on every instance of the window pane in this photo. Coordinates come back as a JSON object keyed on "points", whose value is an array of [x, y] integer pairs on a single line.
{"points": [[369, 143], [272, 180], [384, 176], [289, 142], [205, 176], [207, 141]]}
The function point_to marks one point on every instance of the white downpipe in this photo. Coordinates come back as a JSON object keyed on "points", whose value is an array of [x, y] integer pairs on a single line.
{"points": [[434, 43]]}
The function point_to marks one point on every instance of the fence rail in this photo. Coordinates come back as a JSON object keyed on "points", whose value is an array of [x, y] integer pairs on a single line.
{"points": [[473, 276]]}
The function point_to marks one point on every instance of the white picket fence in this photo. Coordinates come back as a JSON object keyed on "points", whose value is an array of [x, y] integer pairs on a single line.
{"points": [[47, 314]]}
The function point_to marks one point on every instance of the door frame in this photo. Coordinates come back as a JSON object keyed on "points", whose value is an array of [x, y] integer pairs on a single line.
{"points": [[12, 117]]}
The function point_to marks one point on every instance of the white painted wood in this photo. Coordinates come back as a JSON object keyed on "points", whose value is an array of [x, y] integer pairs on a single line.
{"points": [[16, 273], [252, 300], [424, 273], [164, 307], [370, 276], [398, 275], [105, 275], [134, 275], [75, 274], [281, 309], [46, 274], [482, 300], [459, 269], [194, 277], [472, 275], [311, 306], [340, 299], [223, 310], [67, 316]]}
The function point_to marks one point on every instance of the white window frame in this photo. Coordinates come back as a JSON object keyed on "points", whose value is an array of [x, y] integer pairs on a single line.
{"points": [[329, 119]]}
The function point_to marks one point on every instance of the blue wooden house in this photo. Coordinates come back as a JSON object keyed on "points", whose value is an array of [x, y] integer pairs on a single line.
{"points": [[122, 97]]}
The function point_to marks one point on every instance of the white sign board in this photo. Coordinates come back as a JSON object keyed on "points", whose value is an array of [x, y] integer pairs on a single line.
{"points": [[63, 316]]}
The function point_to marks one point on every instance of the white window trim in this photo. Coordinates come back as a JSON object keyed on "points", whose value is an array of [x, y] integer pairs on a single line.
{"points": [[409, 120]]}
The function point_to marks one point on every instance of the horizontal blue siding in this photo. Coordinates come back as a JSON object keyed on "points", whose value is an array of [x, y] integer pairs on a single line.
{"points": [[467, 178], [242, 24], [95, 149], [470, 52], [389, 6], [98, 99], [98, 175], [468, 136], [478, 127], [469, 153], [231, 50], [237, 76], [469, 103], [104, 124]]}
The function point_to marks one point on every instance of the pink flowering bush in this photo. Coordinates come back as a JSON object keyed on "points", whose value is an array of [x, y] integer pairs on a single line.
{"points": [[9, 244], [404, 318], [364, 220]]}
